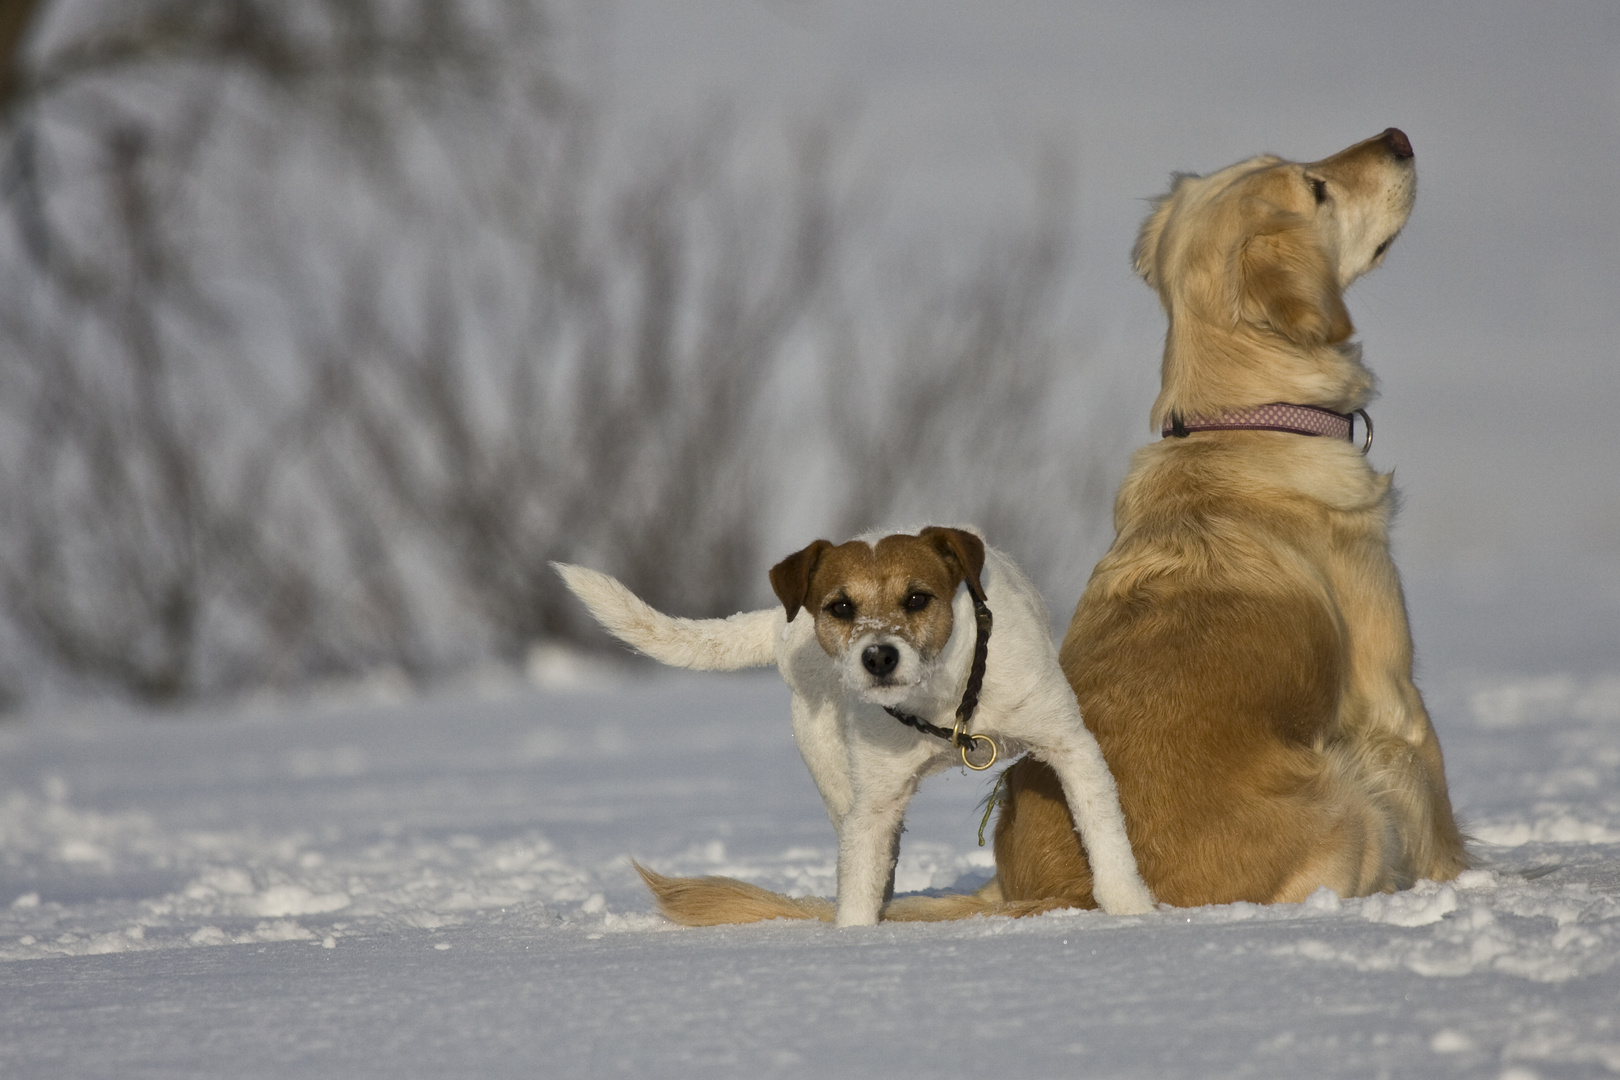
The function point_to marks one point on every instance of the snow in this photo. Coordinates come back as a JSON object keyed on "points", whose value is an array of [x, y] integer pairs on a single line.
{"points": [[359, 885]]}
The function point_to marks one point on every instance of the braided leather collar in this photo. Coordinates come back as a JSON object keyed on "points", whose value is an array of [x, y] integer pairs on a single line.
{"points": [[959, 736]]}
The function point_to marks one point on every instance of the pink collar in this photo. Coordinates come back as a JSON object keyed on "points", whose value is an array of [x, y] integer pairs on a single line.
{"points": [[1278, 416]]}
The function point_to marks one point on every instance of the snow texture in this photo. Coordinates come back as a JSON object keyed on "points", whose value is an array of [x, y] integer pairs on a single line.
{"points": [[439, 887]]}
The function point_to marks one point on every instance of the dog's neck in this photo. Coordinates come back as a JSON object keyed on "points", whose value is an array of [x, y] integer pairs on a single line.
{"points": [[959, 734], [1253, 367]]}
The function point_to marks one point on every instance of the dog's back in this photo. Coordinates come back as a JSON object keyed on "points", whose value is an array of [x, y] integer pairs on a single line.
{"points": [[1231, 655]]}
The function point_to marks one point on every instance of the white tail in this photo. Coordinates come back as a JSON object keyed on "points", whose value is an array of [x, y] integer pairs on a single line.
{"points": [[747, 639]]}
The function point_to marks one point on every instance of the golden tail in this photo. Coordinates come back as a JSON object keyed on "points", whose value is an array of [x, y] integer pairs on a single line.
{"points": [[720, 901], [717, 901]]}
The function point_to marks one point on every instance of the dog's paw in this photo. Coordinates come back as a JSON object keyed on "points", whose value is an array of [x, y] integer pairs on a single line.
{"points": [[1125, 898]]}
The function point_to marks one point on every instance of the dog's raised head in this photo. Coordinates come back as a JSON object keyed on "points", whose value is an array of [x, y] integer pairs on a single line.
{"points": [[1251, 264], [882, 610]]}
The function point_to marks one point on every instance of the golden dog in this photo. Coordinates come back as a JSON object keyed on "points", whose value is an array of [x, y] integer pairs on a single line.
{"points": [[1242, 652]]}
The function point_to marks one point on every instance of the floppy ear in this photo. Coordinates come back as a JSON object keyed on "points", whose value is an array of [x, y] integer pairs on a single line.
{"points": [[1145, 256], [1289, 285], [962, 549], [790, 578]]}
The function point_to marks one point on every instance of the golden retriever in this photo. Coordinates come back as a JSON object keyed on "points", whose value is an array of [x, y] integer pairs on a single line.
{"points": [[1242, 652]]}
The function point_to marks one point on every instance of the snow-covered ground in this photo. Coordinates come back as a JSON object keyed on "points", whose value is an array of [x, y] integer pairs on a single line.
{"points": [[401, 887]]}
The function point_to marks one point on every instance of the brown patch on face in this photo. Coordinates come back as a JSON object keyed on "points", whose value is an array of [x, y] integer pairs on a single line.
{"points": [[962, 548], [903, 586], [790, 578]]}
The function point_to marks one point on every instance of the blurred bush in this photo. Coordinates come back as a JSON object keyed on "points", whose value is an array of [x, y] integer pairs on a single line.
{"points": [[325, 325]]}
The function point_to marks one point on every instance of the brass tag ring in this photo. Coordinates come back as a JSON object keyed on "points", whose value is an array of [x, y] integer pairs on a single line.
{"points": [[973, 742]]}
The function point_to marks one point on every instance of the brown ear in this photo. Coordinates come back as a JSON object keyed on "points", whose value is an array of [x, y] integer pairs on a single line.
{"points": [[963, 549], [1289, 285], [1145, 256], [790, 578]]}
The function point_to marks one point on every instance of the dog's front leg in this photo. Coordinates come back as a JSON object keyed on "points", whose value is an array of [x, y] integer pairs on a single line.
{"points": [[868, 843], [1094, 801], [818, 731]]}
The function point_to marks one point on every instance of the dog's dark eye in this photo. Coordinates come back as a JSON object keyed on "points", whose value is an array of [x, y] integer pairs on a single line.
{"points": [[1318, 188], [1380, 249], [916, 601], [842, 609]]}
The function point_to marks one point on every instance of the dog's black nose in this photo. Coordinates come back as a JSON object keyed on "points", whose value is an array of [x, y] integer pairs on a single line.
{"points": [[880, 660], [1398, 143]]}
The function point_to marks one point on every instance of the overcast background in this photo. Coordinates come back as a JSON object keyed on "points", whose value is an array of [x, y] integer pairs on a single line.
{"points": [[325, 327], [1492, 327]]}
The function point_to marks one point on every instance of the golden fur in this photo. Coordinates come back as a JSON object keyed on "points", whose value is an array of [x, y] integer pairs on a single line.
{"points": [[1242, 652], [723, 901]]}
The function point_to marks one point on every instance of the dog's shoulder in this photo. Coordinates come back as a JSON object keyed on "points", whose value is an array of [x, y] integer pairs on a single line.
{"points": [[1013, 599], [1255, 471], [1022, 655]]}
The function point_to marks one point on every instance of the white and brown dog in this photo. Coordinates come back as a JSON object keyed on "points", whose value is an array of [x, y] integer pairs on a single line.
{"points": [[885, 668]]}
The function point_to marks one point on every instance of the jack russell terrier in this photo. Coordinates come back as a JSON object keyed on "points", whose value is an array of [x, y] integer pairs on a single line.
{"points": [[895, 675]]}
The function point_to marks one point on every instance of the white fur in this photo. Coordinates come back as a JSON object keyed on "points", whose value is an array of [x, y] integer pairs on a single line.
{"points": [[868, 765], [744, 640]]}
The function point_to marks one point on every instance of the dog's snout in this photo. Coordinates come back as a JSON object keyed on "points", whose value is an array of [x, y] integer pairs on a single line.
{"points": [[1398, 143], [880, 660]]}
